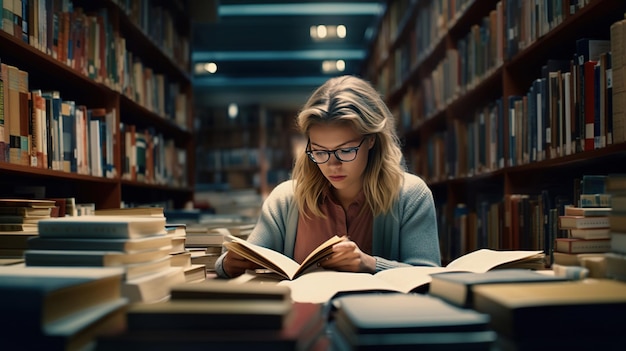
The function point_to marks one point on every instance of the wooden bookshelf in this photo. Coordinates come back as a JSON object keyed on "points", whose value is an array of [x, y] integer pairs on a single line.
{"points": [[450, 92], [249, 151], [137, 71]]}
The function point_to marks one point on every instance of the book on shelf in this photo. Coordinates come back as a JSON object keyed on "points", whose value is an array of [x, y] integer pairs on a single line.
{"points": [[275, 261], [590, 233], [581, 222], [575, 245], [457, 287], [131, 211], [407, 321], [516, 308], [587, 211], [91, 257], [101, 227], [97, 244], [322, 286], [303, 332]]}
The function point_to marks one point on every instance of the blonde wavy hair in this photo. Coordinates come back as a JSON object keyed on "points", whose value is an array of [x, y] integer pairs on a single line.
{"points": [[353, 101]]}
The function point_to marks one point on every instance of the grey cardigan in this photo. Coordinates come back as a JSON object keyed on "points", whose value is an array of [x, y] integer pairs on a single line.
{"points": [[406, 235]]}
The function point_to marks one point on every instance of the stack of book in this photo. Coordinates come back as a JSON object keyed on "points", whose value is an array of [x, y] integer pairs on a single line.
{"points": [[179, 256], [587, 238], [205, 243], [616, 257], [18, 223], [407, 322], [138, 245], [59, 308], [222, 315]]}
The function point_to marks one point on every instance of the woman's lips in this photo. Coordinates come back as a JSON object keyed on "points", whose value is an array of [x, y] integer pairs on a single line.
{"points": [[336, 178]]}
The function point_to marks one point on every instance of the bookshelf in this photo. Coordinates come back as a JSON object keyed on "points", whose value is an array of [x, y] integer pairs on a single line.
{"points": [[249, 151], [125, 60], [464, 81]]}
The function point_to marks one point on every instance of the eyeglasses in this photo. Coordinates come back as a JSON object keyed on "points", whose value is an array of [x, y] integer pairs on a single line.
{"points": [[344, 154]]}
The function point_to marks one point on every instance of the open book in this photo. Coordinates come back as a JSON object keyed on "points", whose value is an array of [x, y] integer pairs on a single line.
{"points": [[276, 261], [322, 286]]}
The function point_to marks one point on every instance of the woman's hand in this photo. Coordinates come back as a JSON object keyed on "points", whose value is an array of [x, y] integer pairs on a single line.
{"points": [[235, 265], [348, 257]]}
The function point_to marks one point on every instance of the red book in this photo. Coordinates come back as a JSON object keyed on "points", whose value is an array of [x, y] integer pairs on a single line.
{"points": [[589, 104]]}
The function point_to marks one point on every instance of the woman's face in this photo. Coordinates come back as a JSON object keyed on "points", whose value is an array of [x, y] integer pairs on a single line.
{"points": [[346, 177]]}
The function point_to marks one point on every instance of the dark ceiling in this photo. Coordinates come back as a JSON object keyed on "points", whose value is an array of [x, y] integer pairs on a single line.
{"points": [[265, 54]]}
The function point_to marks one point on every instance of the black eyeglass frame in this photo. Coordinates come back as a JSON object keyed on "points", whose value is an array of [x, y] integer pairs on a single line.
{"points": [[334, 152]]}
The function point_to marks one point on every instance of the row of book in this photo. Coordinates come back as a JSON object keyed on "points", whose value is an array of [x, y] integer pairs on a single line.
{"points": [[43, 130], [79, 38], [569, 109]]}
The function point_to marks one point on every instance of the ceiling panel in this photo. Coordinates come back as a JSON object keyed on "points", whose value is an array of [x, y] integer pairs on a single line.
{"points": [[266, 45]]}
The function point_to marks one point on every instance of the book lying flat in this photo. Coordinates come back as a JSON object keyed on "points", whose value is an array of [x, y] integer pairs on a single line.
{"points": [[225, 290], [35, 297], [305, 327], [579, 222], [96, 244], [583, 307], [408, 322], [587, 211], [199, 314], [276, 261], [101, 227], [457, 287], [322, 286], [92, 258]]}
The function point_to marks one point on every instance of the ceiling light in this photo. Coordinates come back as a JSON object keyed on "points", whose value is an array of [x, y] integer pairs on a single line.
{"points": [[333, 66], [233, 110], [210, 67], [340, 65], [327, 32], [321, 31], [341, 31]]}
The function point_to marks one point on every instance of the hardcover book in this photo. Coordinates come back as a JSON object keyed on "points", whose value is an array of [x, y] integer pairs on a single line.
{"points": [[516, 308], [580, 222], [35, 297], [574, 245], [101, 227], [97, 244], [407, 321], [457, 287]]}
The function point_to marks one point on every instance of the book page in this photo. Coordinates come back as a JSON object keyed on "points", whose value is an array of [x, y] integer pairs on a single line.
{"points": [[263, 256], [321, 286], [406, 279], [482, 260], [275, 260]]}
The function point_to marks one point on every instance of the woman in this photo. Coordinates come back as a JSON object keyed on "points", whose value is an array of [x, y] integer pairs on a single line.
{"points": [[350, 182]]}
